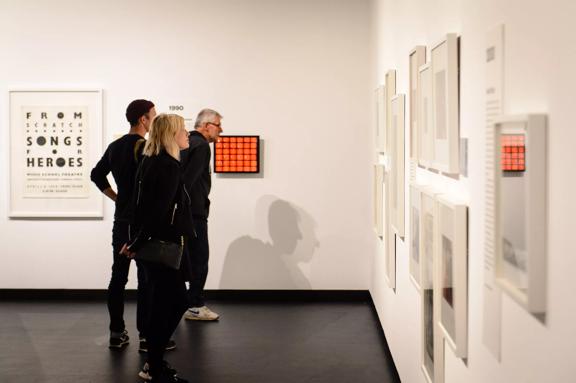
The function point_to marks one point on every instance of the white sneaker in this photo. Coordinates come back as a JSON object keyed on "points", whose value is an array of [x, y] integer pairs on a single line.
{"points": [[201, 313]]}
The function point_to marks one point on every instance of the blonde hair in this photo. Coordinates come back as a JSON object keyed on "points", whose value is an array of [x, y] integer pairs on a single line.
{"points": [[162, 135]]}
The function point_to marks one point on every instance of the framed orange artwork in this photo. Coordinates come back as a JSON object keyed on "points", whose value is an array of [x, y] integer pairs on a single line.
{"points": [[237, 154]]}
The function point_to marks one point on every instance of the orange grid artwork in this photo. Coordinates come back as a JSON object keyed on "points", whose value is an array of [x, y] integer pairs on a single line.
{"points": [[513, 153], [237, 154]]}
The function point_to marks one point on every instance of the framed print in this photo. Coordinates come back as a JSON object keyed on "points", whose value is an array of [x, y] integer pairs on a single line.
{"points": [[414, 238], [446, 101], [378, 200], [427, 237], [432, 354], [237, 154], [428, 338], [55, 140], [389, 237], [397, 165], [417, 59], [520, 183], [425, 117], [452, 255], [381, 119], [390, 93]]}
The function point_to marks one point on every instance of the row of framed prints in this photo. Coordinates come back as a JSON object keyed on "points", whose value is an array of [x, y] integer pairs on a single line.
{"points": [[438, 265], [391, 114], [438, 236], [439, 270], [435, 106], [434, 102]]}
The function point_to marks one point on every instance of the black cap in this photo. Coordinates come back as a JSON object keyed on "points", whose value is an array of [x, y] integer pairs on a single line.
{"points": [[137, 109]]}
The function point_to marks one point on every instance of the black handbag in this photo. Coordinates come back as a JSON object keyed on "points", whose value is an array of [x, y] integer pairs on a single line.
{"points": [[165, 253]]}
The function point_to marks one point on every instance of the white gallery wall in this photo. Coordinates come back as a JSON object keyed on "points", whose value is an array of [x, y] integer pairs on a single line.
{"points": [[540, 57], [297, 73]]}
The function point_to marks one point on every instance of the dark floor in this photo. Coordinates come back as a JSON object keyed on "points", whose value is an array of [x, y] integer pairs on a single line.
{"points": [[61, 342]]}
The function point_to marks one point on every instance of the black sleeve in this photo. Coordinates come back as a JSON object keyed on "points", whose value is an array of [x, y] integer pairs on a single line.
{"points": [[197, 159], [101, 170], [159, 188]]}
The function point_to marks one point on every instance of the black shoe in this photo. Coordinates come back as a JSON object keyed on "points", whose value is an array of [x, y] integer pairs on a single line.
{"points": [[171, 345], [119, 342], [166, 369]]}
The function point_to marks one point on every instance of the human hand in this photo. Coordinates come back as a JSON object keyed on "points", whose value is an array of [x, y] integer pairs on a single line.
{"points": [[125, 251]]}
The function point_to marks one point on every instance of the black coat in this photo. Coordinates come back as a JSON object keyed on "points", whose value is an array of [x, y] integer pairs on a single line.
{"points": [[121, 158], [161, 203], [196, 173]]}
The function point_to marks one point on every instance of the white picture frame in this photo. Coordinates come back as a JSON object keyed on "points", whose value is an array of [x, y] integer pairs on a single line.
{"points": [[379, 200], [397, 164], [432, 353], [55, 140], [390, 92], [417, 58], [445, 90], [521, 210], [452, 259], [414, 238], [389, 236], [380, 95], [428, 354], [425, 117]]}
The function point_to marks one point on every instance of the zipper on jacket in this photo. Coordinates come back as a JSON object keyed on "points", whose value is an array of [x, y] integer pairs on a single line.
{"points": [[139, 190], [174, 213], [187, 195]]}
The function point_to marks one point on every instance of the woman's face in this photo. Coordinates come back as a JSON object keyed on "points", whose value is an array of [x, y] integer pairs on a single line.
{"points": [[182, 138]]}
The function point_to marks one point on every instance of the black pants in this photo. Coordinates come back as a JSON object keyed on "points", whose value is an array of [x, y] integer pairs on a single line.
{"points": [[198, 252], [117, 286], [167, 303]]}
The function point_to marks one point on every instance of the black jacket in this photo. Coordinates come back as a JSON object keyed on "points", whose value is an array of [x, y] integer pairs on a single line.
{"points": [[161, 202], [196, 173], [121, 158]]}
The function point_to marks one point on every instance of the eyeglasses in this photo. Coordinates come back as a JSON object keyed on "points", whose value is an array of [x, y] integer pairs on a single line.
{"points": [[212, 123]]}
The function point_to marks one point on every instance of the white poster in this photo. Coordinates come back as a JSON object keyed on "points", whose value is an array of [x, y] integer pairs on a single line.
{"points": [[55, 140], [494, 57]]}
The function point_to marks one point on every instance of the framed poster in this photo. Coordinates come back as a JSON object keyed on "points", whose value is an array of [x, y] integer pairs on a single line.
{"points": [[381, 119], [425, 117], [378, 200], [390, 93], [417, 59], [55, 139], [452, 253], [397, 165], [446, 110], [414, 238], [520, 184]]}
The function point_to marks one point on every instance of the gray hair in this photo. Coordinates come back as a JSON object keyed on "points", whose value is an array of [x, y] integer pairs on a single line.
{"points": [[206, 115]]}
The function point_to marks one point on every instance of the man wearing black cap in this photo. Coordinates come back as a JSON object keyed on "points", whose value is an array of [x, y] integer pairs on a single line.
{"points": [[122, 158]]}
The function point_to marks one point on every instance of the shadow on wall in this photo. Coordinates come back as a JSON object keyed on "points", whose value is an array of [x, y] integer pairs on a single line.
{"points": [[252, 263]]}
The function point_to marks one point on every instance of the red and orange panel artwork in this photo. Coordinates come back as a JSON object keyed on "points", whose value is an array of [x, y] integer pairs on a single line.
{"points": [[513, 153], [237, 154]]}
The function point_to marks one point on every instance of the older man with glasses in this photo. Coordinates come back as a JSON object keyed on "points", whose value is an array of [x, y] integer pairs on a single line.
{"points": [[197, 177]]}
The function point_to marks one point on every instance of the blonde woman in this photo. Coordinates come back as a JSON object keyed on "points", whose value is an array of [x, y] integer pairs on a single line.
{"points": [[160, 214]]}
